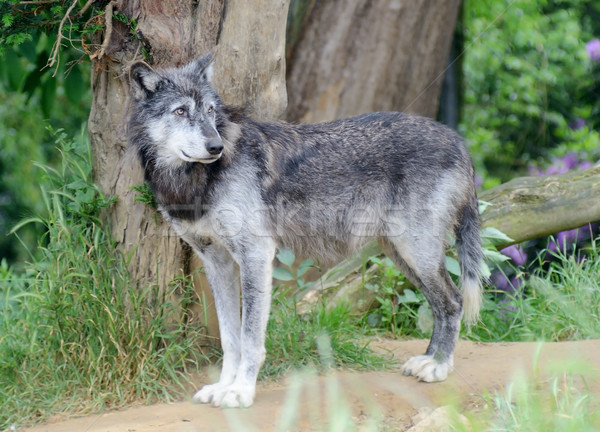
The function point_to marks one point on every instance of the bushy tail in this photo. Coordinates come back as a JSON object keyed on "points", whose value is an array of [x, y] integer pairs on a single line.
{"points": [[470, 255]]}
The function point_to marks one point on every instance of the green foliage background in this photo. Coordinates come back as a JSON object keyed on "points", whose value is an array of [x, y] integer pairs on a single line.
{"points": [[527, 80], [33, 100]]}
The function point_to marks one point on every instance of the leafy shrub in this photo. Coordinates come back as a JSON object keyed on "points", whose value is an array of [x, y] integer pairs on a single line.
{"points": [[529, 83]]}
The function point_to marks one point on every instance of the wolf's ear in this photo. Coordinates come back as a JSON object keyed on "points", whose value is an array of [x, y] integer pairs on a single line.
{"points": [[144, 80], [202, 68]]}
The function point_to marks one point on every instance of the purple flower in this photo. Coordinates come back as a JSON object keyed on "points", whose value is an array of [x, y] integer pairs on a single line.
{"points": [[577, 124], [570, 160], [478, 181], [503, 283], [593, 49], [556, 169], [564, 239], [584, 165], [516, 253]]}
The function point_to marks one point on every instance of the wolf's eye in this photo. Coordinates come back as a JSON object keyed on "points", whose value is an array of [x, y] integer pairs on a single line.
{"points": [[209, 110], [179, 111]]}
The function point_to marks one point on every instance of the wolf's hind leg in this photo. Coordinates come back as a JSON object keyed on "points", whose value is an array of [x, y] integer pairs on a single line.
{"points": [[223, 276], [424, 266]]}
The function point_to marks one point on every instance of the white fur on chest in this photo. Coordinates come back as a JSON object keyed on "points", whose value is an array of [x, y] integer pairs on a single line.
{"points": [[236, 214]]}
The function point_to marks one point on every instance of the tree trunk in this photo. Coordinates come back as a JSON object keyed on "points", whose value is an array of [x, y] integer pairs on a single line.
{"points": [[356, 56], [250, 70], [348, 57], [524, 208]]}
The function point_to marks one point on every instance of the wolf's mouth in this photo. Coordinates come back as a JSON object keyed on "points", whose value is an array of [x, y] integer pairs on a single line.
{"points": [[201, 160]]}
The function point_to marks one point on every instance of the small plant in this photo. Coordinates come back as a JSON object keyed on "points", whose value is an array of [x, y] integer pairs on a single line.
{"points": [[292, 339], [145, 195], [401, 309], [287, 257]]}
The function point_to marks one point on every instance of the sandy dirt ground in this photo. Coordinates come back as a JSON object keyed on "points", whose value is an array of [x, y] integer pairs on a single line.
{"points": [[368, 396]]}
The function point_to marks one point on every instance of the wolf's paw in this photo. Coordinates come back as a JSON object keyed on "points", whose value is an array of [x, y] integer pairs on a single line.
{"points": [[206, 393], [425, 368], [226, 396]]}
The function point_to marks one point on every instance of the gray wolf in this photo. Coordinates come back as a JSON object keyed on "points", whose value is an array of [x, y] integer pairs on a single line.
{"points": [[235, 188]]}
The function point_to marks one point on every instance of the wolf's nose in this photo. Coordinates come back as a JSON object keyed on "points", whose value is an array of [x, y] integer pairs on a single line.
{"points": [[214, 146]]}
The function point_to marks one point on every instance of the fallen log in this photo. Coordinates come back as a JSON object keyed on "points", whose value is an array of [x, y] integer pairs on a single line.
{"points": [[524, 208]]}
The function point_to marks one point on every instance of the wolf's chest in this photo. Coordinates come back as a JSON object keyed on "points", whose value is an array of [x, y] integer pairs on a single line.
{"points": [[196, 231], [227, 222]]}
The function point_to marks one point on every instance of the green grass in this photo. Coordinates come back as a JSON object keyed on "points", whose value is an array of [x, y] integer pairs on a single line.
{"points": [[558, 402], [296, 341], [293, 340], [76, 334], [557, 405], [560, 302]]}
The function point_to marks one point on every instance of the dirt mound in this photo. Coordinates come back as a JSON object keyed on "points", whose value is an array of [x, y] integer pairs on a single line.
{"points": [[307, 402]]}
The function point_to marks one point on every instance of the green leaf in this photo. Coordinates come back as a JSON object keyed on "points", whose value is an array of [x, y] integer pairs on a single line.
{"points": [[495, 236], [483, 205], [286, 256], [494, 256], [282, 274], [15, 70], [453, 266], [304, 266], [32, 82], [485, 270], [27, 50], [408, 296], [374, 319], [7, 20]]}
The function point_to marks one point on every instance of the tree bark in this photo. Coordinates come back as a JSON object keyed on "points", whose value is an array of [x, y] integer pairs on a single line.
{"points": [[357, 56], [524, 208], [250, 70]]}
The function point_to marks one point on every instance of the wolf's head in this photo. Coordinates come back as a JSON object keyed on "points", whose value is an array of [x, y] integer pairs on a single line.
{"points": [[175, 117]]}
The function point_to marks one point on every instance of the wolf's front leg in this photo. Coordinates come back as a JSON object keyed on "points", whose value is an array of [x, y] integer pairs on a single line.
{"points": [[223, 276], [244, 351], [256, 277]]}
